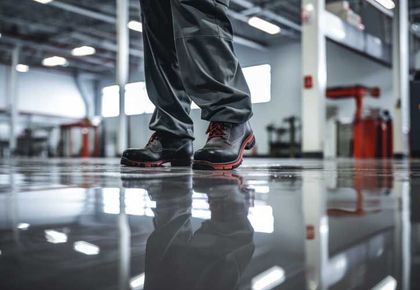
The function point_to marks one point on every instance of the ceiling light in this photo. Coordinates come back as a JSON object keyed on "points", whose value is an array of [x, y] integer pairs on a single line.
{"points": [[86, 248], [23, 226], [55, 237], [135, 25], [388, 4], [83, 51], [137, 282], [389, 283], [269, 279], [54, 61], [23, 68], [43, 1], [263, 25]]}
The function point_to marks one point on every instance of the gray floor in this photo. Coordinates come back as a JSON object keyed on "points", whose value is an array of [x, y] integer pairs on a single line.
{"points": [[272, 224]]}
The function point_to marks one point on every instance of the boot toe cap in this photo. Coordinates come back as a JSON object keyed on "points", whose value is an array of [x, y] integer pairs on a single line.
{"points": [[214, 156], [138, 155]]}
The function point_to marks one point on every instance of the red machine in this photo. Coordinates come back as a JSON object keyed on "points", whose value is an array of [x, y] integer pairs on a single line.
{"points": [[89, 133], [372, 135]]}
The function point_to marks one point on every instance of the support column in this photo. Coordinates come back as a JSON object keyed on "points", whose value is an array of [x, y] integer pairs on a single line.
{"points": [[314, 202], [13, 101], [401, 78], [124, 245], [315, 78], [122, 69], [88, 99]]}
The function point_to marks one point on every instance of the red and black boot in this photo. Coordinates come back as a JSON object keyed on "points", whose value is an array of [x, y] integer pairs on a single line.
{"points": [[225, 146], [162, 148]]}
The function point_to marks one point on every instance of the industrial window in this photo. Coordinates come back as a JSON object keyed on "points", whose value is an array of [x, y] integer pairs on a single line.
{"points": [[259, 82], [137, 101], [110, 101]]}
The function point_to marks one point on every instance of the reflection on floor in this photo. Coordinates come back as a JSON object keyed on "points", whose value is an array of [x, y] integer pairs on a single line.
{"points": [[272, 224]]}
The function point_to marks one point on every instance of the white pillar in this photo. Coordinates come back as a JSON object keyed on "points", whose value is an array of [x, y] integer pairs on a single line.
{"points": [[122, 69], [317, 231], [314, 67], [401, 78], [124, 245], [13, 101]]}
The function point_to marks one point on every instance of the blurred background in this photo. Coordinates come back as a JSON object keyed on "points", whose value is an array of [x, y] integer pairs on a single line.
{"points": [[328, 78]]}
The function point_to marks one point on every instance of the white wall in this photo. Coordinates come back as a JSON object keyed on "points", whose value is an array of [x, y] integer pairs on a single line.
{"points": [[344, 68], [44, 92]]}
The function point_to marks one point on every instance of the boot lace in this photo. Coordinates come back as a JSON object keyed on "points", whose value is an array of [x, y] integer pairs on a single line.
{"points": [[216, 129], [152, 139]]}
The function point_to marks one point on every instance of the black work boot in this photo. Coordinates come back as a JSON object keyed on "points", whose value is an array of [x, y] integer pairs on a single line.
{"points": [[161, 148], [225, 146]]}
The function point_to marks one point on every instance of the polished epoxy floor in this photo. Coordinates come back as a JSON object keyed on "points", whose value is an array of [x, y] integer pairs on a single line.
{"points": [[272, 224]]}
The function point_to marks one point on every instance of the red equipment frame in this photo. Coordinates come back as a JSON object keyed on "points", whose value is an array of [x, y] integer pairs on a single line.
{"points": [[365, 133]]}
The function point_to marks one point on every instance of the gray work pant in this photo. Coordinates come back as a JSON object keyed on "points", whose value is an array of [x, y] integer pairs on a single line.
{"points": [[188, 55]]}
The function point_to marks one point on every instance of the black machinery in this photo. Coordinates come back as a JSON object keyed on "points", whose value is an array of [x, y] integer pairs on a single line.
{"points": [[285, 140]]}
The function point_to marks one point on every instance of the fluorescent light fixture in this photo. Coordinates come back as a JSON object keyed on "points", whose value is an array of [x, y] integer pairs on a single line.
{"points": [[388, 4], [309, 7], [137, 282], [55, 237], [135, 25], [269, 279], [86, 248], [83, 51], [44, 1], [264, 25], [54, 61], [23, 226], [389, 283], [22, 68]]}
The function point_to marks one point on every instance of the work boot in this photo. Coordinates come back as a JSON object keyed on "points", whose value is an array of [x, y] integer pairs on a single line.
{"points": [[225, 146], [161, 148]]}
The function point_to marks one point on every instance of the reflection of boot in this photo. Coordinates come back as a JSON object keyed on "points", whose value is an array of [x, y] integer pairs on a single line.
{"points": [[173, 230], [163, 185], [224, 186], [223, 246], [215, 256]]}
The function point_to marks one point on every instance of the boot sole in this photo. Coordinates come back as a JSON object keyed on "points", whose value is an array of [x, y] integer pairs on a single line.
{"points": [[248, 144], [160, 163]]}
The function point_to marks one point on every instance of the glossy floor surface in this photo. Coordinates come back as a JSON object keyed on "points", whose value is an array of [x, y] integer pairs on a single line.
{"points": [[272, 224]]}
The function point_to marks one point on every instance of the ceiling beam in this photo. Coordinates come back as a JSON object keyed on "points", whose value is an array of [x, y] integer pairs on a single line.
{"points": [[98, 42], [56, 50], [112, 20], [82, 11], [251, 7]]}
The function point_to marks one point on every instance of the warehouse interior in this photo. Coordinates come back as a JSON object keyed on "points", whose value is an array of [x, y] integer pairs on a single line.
{"points": [[327, 199]]}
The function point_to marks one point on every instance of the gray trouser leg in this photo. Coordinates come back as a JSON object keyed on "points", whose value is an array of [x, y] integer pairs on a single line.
{"points": [[163, 77], [210, 71]]}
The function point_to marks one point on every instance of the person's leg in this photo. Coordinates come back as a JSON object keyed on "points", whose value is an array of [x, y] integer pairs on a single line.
{"points": [[163, 80], [210, 70], [172, 141], [213, 78]]}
